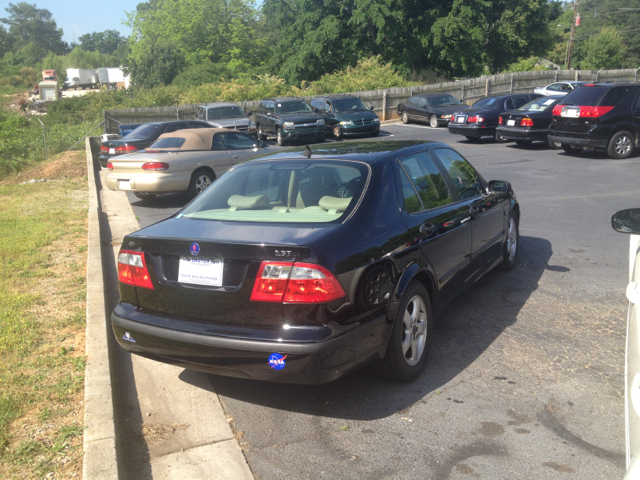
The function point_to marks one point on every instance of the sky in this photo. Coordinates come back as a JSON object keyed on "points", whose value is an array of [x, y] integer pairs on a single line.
{"points": [[77, 17]]}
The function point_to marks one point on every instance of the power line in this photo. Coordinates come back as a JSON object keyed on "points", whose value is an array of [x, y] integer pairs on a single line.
{"points": [[615, 31]]}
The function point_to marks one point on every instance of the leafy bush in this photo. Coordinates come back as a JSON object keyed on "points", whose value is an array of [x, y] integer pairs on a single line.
{"points": [[525, 65]]}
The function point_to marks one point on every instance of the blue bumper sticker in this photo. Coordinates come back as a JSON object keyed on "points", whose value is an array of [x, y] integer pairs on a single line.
{"points": [[276, 361]]}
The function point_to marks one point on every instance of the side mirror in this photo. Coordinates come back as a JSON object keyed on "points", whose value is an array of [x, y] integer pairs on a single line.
{"points": [[627, 221], [499, 186], [371, 107], [248, 113]]}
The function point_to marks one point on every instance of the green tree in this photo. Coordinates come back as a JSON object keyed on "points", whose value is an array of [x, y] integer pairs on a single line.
{"points": [[27, 24], [606, 50], [157, 65], [6, 41], [106, 42]]}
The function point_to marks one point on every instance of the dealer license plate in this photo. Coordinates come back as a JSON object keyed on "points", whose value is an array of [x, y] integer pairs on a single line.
{"points": [[459, 119], [200, 271], [511, 123], [124, 185], [570, 112], [112, 151]]}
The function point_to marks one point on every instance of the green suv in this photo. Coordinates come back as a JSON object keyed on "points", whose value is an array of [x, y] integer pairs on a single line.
{"points": [[289, 119], [347, 115]]}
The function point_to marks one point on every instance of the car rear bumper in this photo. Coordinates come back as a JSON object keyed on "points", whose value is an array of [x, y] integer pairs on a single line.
{"points": [[150, 182], [520, 133], [304, 363], [472, 130], [577, 141]]}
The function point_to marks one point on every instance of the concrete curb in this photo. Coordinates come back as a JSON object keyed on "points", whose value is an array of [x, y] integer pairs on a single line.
{"points": [[390, 122], [99, 442]]}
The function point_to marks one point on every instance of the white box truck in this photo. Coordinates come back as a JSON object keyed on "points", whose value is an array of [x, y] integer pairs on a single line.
{"points": [[112, 77], [80, 78]]}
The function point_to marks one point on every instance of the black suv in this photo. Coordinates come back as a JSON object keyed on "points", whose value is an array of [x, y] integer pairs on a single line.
{"points": [[142, 137], [600, 116], [289, 119]]}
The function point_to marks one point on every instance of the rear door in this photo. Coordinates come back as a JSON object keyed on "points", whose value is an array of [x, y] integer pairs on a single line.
{"points": [[437, 221], [422, 110], [636, 109], [241, 146]]}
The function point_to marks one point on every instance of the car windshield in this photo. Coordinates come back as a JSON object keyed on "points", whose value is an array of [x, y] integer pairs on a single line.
{"points": [[283, 191], [489, 103], [540, 104], [170, 142], [143, 131], [293, 107], [442, 100], [348, 105], [219, 113]]}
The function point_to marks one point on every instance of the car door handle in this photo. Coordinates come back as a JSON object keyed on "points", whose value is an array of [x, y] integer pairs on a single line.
{"points": [[236, 156], [427, 229]]}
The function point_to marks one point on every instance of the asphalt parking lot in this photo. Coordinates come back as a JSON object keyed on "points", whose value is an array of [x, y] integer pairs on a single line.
{"points": [[525, 376]]}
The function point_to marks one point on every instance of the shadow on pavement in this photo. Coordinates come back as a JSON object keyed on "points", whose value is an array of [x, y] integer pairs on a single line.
{"points": [[464, 330]]}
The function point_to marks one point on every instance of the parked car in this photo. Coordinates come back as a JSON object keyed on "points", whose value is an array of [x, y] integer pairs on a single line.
{"points": [[628, 221], [346, 116], [601, 116], [482, 118], [529, 123], [434, 108], [558, 88], [182, 161], [289, 119], [226, 115], [306, 265], [143, 136]]}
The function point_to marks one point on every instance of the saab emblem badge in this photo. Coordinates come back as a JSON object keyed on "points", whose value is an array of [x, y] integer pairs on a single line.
{"points": [[195, 249], [127, 336], [276, 361]]}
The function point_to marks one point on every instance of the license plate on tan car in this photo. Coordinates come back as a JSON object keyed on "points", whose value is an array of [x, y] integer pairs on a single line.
{"points": [[124, 185], [200, 271]]}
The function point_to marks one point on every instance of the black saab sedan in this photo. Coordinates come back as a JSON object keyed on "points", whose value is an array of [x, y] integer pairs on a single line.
{"points": [[433, 108], [529, 123], [482, 118], [305, 265]]}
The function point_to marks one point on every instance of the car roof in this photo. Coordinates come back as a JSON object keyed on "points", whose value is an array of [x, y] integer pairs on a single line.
{"points": [[427, 95], [364, 151], [174, 121], [334, 97], [195, 138], [282, 99], [218, 104]]}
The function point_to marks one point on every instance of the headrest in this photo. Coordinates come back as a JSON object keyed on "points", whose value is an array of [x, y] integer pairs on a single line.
{"points": [[241, 202], [334, 203]]}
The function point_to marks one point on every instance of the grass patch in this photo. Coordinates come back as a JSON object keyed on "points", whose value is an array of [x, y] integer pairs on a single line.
{"points": [[42, 324]]}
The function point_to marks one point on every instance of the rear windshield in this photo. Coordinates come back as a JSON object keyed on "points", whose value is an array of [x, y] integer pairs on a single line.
{"points": [[489, 103], [540, 104], [289, 191], [173, 142], [219, 113], [143, 131], [586, 96]]}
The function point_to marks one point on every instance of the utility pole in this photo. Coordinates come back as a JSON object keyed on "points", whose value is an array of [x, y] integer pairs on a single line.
{"points": [[573, 31]]}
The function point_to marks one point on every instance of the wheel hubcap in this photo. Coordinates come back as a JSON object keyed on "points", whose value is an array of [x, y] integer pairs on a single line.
{"points": [[622, 145], [405, 118], [336, 131], [279, 136], [434, 122], [202, 182], [414, 330], [512, 240]]}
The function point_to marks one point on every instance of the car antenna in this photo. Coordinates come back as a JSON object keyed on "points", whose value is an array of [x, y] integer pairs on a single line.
{"points": [[307, 152]]}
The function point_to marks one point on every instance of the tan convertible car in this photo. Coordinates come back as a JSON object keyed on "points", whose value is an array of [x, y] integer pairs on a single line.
{"points": [[183, 161]]}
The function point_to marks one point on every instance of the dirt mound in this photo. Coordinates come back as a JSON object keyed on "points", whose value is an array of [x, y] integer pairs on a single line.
{"points": [[62, 165]]}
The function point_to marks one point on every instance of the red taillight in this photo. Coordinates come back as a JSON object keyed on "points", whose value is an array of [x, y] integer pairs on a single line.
{"points": [[526, 122], [588, 85], [126, 149], [500, 121], [295, 283], [472, 119], [104, 149], [155, 166], [109, 166], [593, 112], [557, 110], [132, 269]]}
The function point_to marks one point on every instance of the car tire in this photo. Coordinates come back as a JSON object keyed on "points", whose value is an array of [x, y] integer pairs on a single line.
{"points": [[201, 179], [279, 140], [511, 244], [433, 121], [337, 133], [523, 143], [499, 138], [570, 149], [412, 330], [554, 145], [405, 118], [472, 139], [261, 136], [144, 196], [621, 145]]}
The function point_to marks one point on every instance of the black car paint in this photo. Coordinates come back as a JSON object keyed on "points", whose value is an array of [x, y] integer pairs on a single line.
{"points": [[386, 252], [541, 121], [491, 116], [143, 143], [306, 126], [596, 132], [422, 113]]}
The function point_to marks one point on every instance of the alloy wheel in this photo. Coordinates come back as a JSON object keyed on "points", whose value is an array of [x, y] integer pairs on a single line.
{"points": [[414, 330], [405, 117], [202, 183], [622, 145], [433, 121], [512, 239]]}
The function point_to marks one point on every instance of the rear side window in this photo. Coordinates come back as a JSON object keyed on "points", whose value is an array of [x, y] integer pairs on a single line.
{"points": [[413, 100], [173, 142], [465, 179], [143, 131], [586, 96], [425, 179], [615, 95], [284, 191]]}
